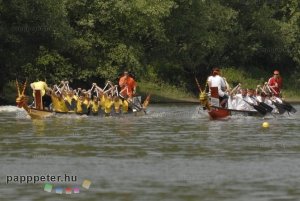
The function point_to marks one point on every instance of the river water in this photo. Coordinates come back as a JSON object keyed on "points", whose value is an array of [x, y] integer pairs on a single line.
{"points": [[173, 153]]}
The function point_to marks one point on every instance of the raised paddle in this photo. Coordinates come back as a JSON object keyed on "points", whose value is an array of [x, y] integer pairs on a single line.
{"points": [[234, 89], [259, 109]]}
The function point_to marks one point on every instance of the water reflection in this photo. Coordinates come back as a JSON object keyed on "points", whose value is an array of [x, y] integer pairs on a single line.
{"points": [[38, 127]]}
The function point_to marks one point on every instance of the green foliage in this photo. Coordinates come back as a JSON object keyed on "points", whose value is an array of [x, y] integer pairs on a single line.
{"points": [[163, 92], [234, 76], [48, 66], [162, 41]]}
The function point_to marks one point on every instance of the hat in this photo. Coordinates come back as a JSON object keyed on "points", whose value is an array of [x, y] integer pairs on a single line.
{"points": [[276, 72]]}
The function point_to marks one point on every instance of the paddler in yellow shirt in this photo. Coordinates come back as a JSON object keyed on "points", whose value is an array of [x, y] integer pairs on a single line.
{"points": [[58, 102], [86, 102], [108, 105], [125, 106], [94, 106], [117, 104], [79, 104], [103, 98], [70, 100]]}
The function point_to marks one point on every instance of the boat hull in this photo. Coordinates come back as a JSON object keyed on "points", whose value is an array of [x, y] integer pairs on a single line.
{"points": [[221, 113], [41, 114]]}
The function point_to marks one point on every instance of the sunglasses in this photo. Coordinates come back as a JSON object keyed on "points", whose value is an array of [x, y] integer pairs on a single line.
{"points": [[276, 74]]}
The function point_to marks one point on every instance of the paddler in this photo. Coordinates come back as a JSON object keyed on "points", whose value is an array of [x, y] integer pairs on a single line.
{"points": [[94, 106], [79, 104], [108, 105], [71, 99], [58, 102], [117, 104], [86, 101]]}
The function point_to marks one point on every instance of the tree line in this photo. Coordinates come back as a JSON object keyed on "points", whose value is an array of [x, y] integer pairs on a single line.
{"points": [[159, 40]]}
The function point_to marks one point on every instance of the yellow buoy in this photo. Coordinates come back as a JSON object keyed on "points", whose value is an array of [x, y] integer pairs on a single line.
{"points": [[265, 125]]}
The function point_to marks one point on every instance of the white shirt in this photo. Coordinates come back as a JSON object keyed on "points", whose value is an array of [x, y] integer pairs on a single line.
{"points": [[217, 81], [232, 102], [241, 104]]}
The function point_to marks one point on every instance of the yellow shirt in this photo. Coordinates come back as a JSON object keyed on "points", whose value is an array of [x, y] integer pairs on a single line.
{"points": [[108, 105], [40, 85], [125, 106], [102, 102], [86, 101], [78, 106], [69, 99], [117, 105], [58, 104], [95, 106]]}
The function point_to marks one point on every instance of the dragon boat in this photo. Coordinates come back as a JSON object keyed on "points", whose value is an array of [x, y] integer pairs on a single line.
{"points": [[37, 111], [215, 111]]}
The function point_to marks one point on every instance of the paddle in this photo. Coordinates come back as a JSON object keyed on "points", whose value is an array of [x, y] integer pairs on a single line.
{"points": [[279, 107], [234, 89], [138, 108], [264, 105], [284, 106], [259, 109], [288, 107]]}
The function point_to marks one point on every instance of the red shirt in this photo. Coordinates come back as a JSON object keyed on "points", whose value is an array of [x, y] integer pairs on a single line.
{"points": [[129, 83], [276, 84]]}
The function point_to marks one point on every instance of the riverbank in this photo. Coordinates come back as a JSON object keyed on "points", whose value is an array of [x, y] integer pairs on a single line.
{"points": [[165, 93]]}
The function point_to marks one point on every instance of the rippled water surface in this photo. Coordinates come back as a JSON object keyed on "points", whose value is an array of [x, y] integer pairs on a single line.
{"points": [[173, 153]]}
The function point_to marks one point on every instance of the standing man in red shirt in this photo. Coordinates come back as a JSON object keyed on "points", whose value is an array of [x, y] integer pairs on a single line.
{"points": [[275, 83], [128, 85]]}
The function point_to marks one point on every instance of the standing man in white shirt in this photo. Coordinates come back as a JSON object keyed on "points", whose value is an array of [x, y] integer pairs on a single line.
{"points": [[217, 81]]}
